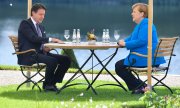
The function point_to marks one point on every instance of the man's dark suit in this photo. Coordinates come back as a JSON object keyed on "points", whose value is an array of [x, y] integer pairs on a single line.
{"points": [[28, 39]]}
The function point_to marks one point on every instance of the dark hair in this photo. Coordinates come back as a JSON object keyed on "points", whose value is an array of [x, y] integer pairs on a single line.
{"points": [[36, 7]]}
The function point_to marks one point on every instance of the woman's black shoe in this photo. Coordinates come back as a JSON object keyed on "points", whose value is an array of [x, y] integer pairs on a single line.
{"points": [[138, 91]]}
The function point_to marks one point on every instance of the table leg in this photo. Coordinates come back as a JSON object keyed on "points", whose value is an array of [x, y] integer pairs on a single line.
{"points": [[104, 67], [71, 79]]}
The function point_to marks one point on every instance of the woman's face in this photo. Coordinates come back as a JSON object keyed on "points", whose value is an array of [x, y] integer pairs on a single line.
{"points": [[136, 15]]}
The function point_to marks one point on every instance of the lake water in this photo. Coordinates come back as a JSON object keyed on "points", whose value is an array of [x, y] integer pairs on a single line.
{"points": [[61, 15]]}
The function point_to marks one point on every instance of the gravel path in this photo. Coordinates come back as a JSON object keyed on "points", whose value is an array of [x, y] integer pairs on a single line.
{"points": [[15, 77]]}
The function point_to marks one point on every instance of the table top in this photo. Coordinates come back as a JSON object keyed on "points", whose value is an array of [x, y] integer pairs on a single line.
{"points": [[82, 45]]}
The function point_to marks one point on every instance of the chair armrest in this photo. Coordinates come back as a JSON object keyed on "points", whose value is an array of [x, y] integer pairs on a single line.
{"points": [[23, 52], [138, 54]]}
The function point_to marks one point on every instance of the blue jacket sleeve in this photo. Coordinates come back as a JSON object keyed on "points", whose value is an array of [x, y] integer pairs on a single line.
{"points": [[140, 39], [128, 38]]}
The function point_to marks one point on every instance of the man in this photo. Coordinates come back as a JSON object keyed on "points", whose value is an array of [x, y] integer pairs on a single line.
{"points": [[31, 35]]}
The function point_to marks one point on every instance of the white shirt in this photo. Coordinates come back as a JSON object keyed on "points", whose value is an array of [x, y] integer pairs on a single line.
{"points": [[34, 22]]}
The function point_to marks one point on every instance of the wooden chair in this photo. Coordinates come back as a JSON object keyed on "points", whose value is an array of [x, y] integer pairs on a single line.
{"points": [[164, 49], [35, 67]]}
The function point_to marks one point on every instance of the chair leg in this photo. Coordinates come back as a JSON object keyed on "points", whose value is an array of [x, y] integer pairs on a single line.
{"points": [[137, 75], [160, 81], [21, 85], [35, 84], [153, 89], [28, 79], [41, 80]]}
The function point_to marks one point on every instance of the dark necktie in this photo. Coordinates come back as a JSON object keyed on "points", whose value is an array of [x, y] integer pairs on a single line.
{"points": [[38, 30], [40, 35]]}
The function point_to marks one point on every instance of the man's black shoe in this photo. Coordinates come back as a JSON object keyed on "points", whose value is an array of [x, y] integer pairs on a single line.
{"points": [[50, 88]]}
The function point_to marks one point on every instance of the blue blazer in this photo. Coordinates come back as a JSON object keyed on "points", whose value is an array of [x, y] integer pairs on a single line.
{"points": [[138, 42]]}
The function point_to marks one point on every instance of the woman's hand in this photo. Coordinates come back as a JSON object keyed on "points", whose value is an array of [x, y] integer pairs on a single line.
{"points": [[121, 43]]}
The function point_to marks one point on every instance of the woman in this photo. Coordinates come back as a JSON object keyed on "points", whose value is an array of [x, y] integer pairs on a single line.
{"points": [[137, 42]]}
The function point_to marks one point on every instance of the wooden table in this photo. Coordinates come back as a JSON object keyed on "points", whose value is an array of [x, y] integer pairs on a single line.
{"points": [[92, 48], [82, 45]]}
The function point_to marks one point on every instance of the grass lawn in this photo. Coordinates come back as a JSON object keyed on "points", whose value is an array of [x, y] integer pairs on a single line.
{"points": [[72, 97]]}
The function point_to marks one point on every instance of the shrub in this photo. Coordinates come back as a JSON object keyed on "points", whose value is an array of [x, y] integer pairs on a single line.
{"points": [[9, 67], [152, 100]]}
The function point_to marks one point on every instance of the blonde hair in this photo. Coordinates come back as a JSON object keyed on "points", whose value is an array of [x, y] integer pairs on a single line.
{"points": [[142, 7]]}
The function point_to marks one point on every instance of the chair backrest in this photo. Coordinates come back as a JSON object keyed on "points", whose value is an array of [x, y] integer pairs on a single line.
{"points": [[165, 48], [14, 40]]}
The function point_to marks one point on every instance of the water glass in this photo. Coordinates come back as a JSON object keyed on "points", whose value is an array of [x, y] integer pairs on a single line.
{"points": [[66, 34], [116, 34]]}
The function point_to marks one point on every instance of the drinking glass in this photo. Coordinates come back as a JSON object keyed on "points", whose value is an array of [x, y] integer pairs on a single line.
{"points": [[116, 34], [66, 34]]}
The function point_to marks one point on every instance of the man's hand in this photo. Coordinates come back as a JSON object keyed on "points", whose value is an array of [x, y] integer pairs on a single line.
{"points": [[46, 49], [54, 40], [121, 43]]}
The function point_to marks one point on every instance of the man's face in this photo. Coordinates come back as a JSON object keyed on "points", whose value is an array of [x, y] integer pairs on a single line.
{"points": [[39, 15]]}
